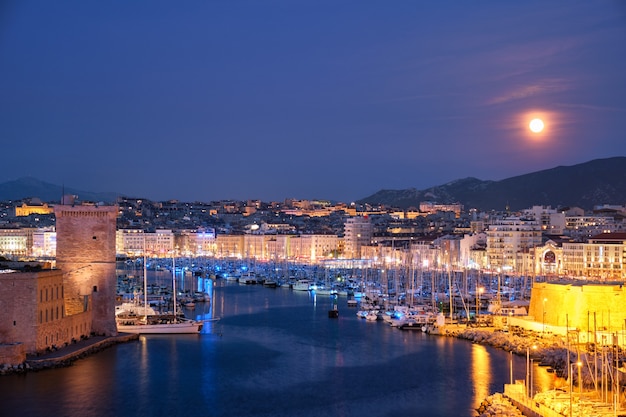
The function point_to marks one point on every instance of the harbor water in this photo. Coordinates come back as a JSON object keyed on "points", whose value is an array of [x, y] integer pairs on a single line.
{"points": [[274, 353]]}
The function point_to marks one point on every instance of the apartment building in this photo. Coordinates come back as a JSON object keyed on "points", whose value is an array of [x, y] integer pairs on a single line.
{"points": [[508, 237], [358, 232], [602, 257]]}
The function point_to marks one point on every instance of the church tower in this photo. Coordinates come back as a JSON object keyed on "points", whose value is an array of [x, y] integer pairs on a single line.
{"points": [[86, 256]]}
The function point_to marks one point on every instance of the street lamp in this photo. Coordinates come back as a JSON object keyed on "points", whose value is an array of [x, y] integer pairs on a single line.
{"points": [[511, 366], [479, 291], [508, 327], [528, 371], [571, 384]]}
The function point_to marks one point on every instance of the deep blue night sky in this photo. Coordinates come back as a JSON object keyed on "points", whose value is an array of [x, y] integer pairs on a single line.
{"points": [[208, 100]]}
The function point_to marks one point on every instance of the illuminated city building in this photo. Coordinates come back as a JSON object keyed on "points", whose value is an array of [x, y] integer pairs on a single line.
{"points": [[508, 237], [602, 257], [550, 220], [311, 248], [584, 226], [358, 232], [27, 210], [229, 246], [13, 242], [160, 244], [277, 247], [432, 208], [201, 242], [130, 242], [44, 243]]}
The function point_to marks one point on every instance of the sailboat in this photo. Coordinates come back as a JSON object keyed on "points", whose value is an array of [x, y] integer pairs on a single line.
{"points": [[160, 323]]}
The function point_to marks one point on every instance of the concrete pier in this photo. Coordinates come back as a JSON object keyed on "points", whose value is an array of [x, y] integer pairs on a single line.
{"points": [[67, 355]]}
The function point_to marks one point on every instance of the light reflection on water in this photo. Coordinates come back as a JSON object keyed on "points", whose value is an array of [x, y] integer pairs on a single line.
{"points": [[481, 373], [274, 353]]}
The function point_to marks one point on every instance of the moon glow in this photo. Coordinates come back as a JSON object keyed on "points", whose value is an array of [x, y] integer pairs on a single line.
{"points": [[536, 125]]}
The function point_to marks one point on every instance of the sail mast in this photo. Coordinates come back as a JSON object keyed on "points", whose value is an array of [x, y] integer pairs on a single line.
{"points": [[174, 283], [145, 281]]}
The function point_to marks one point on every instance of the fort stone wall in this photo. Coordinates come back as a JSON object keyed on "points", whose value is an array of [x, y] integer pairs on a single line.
{"points": [[86, 254], [32, 306], [12, 354], [587, 307]]}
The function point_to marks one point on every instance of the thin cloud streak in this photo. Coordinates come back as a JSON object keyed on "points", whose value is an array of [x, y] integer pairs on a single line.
{"points": [[591, 107], [524, 92]]}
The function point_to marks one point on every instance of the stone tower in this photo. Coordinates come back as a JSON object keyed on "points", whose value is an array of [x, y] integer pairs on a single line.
{"points": [[86, 255]]}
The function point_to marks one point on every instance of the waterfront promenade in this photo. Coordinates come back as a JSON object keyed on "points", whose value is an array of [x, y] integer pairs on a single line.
{"points": [[68, 354]]}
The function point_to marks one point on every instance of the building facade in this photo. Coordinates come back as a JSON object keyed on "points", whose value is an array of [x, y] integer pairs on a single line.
{"points": [[507, 237], [603, 257], [358, 232], [27, 210], [33, 311]]}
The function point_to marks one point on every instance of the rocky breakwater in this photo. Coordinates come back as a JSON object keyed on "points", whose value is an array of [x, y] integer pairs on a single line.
{"points": [[497, 405], [549, 350], [575, 364]]}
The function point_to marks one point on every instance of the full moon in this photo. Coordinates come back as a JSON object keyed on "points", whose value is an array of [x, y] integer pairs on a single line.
{"points": [[536, 125]]}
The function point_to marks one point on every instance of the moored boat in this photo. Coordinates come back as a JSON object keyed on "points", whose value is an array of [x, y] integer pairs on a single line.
{"points": [[302, 285], [270, 283], [158, 325]]}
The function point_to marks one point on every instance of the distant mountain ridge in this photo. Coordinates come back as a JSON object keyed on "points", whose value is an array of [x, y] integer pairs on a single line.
{"points": [[600, 181], [28, 187]]}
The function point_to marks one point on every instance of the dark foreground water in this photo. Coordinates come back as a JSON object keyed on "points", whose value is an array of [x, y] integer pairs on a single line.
{"points": [[274, 352]]}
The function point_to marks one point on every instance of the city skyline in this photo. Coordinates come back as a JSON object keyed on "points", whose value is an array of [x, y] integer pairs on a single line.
{"points": [[273, 100]]}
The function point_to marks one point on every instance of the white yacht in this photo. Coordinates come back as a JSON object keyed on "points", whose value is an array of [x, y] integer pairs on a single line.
{"points": [[302, 285], [144, 323]]}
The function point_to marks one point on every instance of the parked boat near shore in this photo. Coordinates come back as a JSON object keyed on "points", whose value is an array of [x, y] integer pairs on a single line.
{"points": [[158, 323], [302, 285]]}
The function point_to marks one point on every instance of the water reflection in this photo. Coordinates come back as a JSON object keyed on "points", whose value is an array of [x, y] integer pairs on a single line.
{"points": [[481, 373], [545, 381], [272, 353]]}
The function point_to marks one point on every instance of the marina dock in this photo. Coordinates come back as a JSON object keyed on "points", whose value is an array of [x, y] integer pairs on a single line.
{"points": [[66, 355]]}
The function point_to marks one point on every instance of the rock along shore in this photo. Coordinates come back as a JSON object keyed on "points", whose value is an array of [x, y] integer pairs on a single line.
{"points": [[547, 350]]}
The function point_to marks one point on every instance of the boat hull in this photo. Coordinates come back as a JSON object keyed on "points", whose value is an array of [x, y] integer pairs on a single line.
{"points": [[185, 327]]}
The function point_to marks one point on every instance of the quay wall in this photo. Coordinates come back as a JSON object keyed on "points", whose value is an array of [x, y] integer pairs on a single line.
{"points": [[66, 356], [12, 354], [516, 393], [576, 335]]}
